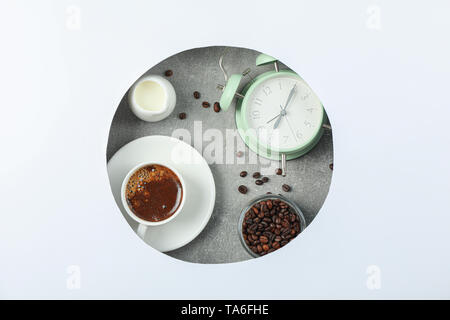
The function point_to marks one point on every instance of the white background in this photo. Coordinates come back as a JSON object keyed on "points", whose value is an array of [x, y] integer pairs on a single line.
{"points": [[381, 69]]}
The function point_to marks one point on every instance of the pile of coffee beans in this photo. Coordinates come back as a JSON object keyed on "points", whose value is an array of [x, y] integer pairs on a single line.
{"points": [[269, 225]]}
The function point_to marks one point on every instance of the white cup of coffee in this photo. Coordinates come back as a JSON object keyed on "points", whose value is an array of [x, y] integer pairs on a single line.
{"points": [[152, 98], [153, 194]]}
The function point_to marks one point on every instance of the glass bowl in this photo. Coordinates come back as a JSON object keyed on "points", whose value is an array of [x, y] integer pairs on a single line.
{"points": [[266, 197]]}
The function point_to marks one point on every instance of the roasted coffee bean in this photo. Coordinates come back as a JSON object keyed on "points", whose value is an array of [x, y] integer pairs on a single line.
{"points": [[216, 107], [286, 188], [279, 171], [256, 175], [206, 104], [331, 166], [182, 115], [268, 234], [243, 174], [265, 247], [268, 192], [272, 236], [242, 189], [196, 95], [276, 245], [261, 215], [239, 154], [168, 73], [265, 179], [259, 182], [263, 239]]}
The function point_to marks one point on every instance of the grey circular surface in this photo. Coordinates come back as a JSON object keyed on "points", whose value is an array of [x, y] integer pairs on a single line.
{"points": [[198, 70]]}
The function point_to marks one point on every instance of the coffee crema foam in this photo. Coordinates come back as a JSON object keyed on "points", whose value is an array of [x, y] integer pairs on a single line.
{"points": [[154, 193]]}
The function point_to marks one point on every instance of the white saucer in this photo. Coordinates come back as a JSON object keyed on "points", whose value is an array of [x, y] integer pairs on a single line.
{"points": [[200, 187]]}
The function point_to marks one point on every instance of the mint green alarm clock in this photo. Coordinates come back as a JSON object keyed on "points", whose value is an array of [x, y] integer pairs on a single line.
{"points": [[277, 114]]}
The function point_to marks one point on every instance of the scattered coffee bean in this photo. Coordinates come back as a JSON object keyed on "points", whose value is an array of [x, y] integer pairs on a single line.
{"points": [[196, 95], [265, 179], [268, 226], [279, 171], [268, 192], [243, 174], [242, 189], [286, 188], [331, 166], [239, 154], [259, 182], [182, 115], [216, 107], [256, 175], [168, 73], [206, 104]]}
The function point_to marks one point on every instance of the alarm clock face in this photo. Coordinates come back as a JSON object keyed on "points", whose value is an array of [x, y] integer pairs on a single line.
{"points": [[283, 113]]}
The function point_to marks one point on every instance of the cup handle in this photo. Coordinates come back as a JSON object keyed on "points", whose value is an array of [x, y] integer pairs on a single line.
{"points": [[141, 230]]}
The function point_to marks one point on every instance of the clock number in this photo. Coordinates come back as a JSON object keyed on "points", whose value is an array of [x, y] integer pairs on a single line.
{"points": [[307, 124], [258, 101], [267, 91], [256, 114], [310, 110], [286, 139], [305, 95], [298, 134]]}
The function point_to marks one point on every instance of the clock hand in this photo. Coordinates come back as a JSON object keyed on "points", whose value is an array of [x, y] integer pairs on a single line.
{"points": [[290, 127], [276, 115], [274, 118], [291, 94], [282, 114], [275, 125], [283, 110]]}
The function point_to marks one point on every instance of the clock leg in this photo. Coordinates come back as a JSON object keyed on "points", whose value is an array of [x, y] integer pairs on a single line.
{"points": [[283, 165]]}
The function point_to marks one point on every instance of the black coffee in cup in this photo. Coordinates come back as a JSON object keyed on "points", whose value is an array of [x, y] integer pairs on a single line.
{"points": [[154, 193]]}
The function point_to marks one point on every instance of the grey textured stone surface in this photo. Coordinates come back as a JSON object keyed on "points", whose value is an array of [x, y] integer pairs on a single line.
{"points": [[198, 69]]}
